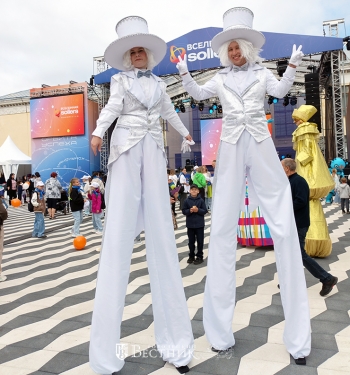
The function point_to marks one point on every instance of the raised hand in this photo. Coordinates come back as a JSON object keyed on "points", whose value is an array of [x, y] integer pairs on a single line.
{"points": [[297, 55], [182, 65]]}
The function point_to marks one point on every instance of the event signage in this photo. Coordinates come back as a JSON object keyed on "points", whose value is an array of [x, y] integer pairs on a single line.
{"points": [[57, 116], [197, 45]]}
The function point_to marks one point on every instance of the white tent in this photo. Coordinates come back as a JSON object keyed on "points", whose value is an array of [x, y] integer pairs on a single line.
{"points": [[11, 156]]}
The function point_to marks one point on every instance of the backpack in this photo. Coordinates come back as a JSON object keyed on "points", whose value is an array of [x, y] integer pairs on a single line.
{"points": [[30, 207]]}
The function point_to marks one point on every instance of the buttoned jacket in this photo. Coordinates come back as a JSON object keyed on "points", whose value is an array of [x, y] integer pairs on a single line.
{"points": [[136, 117], [242, 110]]}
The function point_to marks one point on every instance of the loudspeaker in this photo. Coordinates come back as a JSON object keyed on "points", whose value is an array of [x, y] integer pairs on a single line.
{"points": [[312, 87], [312, 96], [311, 77]]}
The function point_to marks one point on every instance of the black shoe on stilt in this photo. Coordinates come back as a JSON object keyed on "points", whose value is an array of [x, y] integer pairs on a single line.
{"points": [[300, 361], [182, 369], [221, 350]]}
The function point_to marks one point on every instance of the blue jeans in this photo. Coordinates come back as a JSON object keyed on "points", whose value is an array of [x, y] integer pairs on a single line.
{"points": [[96, 221], [39, 225], [4, 203], [78, 218], [309, 263]]}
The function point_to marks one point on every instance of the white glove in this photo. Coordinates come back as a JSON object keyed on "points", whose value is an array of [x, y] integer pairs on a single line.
{"points": [[185, 147], [297, 55], [182, 65]]}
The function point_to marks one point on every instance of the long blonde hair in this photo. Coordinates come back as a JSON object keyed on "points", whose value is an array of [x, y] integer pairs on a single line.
{"points": [[71, 184]]}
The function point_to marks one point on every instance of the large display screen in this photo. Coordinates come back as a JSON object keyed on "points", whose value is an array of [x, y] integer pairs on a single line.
{"points": [[57, 116], [210, 137]]}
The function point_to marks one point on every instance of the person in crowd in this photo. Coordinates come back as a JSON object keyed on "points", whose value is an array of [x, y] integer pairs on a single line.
{"points": [[344, 194], [335, 177], [208, 189], [36, 178], [312, 166], [94, 196], [86, 189], [97, 177], [246, 148], [172, 176], [11, 187], [194, 208], [300, 196], [53, 190], [76, 202], [2, 197], [2, 179], [186, 187], [20, 190], [31, 185], [213, 163], [3, 217], [200, 181], [137, 174], [38, 201]]}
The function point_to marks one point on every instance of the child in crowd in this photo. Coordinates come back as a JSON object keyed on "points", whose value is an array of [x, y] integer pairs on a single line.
{"points": [[38, 201], [344, 194], [86, 187], [3, 216], [96, 201], [194, 208], [76, 201]]}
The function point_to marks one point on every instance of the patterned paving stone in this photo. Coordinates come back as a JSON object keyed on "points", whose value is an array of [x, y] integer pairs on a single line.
{"points": [[46, 305]]}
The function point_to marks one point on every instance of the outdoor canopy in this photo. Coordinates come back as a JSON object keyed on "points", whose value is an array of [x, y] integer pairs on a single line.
{"points": [[11, 156]]}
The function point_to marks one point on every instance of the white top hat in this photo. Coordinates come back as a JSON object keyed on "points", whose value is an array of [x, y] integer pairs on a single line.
{"points": [[238, 23], [133, 32]]}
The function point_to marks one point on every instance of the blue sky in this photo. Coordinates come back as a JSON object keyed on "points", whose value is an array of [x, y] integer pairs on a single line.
{"points": [[53, 42]]}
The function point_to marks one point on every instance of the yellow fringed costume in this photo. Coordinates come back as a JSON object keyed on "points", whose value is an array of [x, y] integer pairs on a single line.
{"points": [[312, 166]]}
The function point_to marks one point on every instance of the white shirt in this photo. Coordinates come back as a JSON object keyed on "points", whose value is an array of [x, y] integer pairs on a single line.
{"points": [[239, 78], [148, 85], [184, 181]]}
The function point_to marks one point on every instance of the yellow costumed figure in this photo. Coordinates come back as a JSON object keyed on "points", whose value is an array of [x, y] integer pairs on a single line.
{"points": [[312, 166]]}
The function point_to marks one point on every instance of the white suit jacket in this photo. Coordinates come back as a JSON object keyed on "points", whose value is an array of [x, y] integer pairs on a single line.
{"points": [[136, 117], [242, 110]]}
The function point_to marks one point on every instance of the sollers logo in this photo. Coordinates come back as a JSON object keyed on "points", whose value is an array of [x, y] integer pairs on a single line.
{"points": [[180, 52]]}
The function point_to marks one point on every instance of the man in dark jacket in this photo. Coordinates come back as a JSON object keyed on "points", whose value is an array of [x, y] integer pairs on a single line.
{"points": [[194, 208], [300, 196]]}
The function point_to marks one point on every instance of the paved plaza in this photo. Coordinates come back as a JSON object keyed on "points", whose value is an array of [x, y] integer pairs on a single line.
{"points": [[47, 301]]}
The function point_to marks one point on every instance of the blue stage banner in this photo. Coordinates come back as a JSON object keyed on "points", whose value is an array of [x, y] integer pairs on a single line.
{"points": [[67, 156], [197, 45]]}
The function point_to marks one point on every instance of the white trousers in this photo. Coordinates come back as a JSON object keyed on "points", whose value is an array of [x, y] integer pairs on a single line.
{"points": [[265, 173], [137, 182]]}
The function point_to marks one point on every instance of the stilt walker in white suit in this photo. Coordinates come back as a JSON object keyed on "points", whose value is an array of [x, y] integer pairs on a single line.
{"points": [[137, 172], [246, 148]]}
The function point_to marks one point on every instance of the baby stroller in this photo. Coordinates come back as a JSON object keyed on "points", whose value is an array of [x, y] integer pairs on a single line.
{"points": [[63, 205]]}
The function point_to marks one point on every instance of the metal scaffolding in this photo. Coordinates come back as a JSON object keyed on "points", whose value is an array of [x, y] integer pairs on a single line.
{"points": [[103, 95], [336, 61]]}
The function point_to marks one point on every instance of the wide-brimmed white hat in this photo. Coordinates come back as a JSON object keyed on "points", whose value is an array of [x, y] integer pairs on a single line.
{"points": [[133, 32], [238, 24]]}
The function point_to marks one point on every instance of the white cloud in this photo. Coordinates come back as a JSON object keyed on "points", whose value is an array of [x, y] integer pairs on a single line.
{"points": [[53, 42]]}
